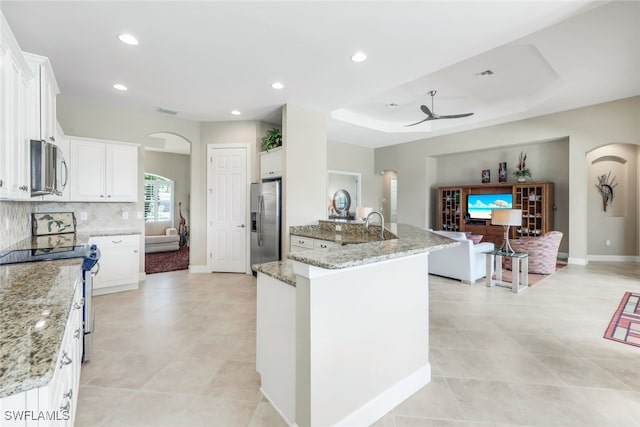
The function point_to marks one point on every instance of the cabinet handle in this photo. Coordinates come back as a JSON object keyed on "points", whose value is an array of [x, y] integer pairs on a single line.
{"points": [[301, 241], [66, 360], [23, 188], [66, 407], [76, 334], [109, 195], [116, 241], [68, 395], [102, 195], [0, 183], [52, 139], [135, 251], [77, 306], [323, 246]]}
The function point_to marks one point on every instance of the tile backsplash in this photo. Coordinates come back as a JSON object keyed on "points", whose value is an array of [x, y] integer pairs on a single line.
{"points": [[16, 217]]}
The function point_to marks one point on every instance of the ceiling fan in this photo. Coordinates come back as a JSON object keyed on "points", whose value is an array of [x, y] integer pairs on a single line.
{"points": [[434, 116]]}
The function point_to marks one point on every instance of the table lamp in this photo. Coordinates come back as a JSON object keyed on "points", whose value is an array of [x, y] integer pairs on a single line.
{"points": [[506, 218]]}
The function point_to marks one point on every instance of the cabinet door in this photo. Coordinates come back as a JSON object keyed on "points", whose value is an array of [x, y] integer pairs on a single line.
{"points": [[119, 260], [86, 171], [271, 164], [48, 92], [121, 173]]}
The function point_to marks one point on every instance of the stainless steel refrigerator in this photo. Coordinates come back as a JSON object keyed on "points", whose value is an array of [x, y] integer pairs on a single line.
{"points": [[265, 222]]}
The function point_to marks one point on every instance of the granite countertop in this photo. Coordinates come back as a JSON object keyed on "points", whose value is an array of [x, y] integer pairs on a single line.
{"points": [[35, 300], [280, 270], [350, 233], [411, 240]]}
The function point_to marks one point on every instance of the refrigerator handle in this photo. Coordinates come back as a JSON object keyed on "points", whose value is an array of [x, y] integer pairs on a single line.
{"points": [[259, 222]]}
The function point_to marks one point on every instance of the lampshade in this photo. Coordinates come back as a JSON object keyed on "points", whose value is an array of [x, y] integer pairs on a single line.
{"points": [[506, 216]]}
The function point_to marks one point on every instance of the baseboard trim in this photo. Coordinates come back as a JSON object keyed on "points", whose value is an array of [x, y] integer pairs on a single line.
{"points": [[577, 261], [199, 269], [614, 258], [377, 407], [286, 420], [142, 277], [113, 289]]}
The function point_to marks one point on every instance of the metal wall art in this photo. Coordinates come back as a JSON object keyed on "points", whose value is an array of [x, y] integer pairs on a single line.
{"points": [[605, 185]]}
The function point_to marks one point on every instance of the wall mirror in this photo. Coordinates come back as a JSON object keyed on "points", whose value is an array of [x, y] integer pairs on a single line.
{"points": [[343, 194]]}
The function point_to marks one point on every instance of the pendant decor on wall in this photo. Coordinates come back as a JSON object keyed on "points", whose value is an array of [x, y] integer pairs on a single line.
{"points": [[486, 176], [502, 172], [605, 185]]}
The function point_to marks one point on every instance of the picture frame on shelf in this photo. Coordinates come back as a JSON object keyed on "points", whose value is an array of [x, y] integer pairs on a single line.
{"points": [[486, 176], [502, 172]]}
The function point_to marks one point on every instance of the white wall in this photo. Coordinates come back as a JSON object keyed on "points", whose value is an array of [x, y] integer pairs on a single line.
{"points": [[586, 128], [304, 141]]}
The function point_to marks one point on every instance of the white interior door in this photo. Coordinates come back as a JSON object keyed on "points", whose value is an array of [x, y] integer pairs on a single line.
{"points": [[226, 209]]}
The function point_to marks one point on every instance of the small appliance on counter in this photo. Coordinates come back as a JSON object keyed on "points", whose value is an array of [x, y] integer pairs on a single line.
{"points": [[54, 238]]}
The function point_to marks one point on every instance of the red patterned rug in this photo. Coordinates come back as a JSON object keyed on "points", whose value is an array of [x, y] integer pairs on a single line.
{"points": [[160, 262], [625, 324]]}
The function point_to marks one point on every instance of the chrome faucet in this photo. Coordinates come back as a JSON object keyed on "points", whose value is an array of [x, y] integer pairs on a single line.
{"points": [[366, 223]]}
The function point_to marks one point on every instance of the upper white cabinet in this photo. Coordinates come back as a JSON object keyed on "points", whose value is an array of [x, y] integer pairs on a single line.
{"points": [[271, 164], [103, 171], [15, 81], [42, 99]]}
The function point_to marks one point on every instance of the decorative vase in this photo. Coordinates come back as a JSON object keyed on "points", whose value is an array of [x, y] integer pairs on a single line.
{"points": [[521, 179]]}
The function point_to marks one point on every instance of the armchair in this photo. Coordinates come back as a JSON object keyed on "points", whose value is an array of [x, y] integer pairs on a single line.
{"points": [[465, 262], [543, 252]]}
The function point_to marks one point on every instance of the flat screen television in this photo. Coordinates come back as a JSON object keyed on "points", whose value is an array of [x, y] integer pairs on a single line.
{"points": [[479, 206]]}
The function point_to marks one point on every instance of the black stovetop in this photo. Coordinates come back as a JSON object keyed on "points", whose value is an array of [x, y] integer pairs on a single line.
{"points": [[44, 254]]}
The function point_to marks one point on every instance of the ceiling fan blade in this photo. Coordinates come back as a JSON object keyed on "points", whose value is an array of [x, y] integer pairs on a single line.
{"points": [[426, 110], [417, 123], [456, 116]]}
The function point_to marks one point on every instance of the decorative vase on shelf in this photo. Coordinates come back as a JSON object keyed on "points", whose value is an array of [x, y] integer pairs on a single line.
{"points": [[523, 171]]}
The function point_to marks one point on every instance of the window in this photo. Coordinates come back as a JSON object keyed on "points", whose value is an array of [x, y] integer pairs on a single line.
{"points": [[158, 198]]}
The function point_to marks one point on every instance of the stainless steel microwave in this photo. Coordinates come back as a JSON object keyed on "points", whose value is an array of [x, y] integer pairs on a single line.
{"points": [[49, 172]]}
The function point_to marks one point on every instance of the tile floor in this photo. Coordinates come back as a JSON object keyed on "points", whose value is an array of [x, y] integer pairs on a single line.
{"points": [[180, 351]]}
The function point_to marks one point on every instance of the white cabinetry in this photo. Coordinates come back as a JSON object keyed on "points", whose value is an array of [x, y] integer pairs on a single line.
{"points": [[15, 78], [271, 164], [299, 243], [103, 171], [42, 98], [59, 397], [119, 263]]}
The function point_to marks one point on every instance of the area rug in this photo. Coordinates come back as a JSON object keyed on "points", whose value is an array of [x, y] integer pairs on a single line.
{"points": [[160, 262], [533, 278], [625, 324]]}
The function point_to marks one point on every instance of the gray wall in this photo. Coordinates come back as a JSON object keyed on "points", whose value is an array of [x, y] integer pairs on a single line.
{"points": [[585, 128], [176, 167], [621, 217], [354, 158], [547, 161]]}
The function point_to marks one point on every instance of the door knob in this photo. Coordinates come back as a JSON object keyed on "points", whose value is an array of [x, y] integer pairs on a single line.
{"points": [[241, 225]]}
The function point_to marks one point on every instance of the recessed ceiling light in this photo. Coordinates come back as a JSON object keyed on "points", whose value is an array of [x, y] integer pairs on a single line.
{"points": [[359, 57], [236, 112], [392, 105], [277, 85], [128, 39], [119, 87]]}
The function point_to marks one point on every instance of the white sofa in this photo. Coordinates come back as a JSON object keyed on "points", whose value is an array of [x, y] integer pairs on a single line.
{"points": [[160, 236], [465, 262]]}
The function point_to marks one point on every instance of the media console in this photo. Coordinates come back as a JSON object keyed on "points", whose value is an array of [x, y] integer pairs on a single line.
{"points": [[534, 198]]}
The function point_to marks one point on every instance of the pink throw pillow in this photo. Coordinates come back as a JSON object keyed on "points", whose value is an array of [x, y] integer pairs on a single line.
{"points": [[477, 238]]}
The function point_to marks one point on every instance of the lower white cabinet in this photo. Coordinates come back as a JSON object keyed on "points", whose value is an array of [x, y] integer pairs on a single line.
{"points": [[299, 243], [119, 263], [53, 405]]}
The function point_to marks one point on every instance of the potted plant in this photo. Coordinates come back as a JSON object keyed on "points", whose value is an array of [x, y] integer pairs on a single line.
{"points": [[273, 139], [523, 171]]}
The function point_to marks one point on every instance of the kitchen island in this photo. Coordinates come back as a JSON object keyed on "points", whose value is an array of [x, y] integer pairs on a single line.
{"points": [[344, 337]]}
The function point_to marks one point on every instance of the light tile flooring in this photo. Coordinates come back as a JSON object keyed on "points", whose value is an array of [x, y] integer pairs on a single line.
{"points": [[180, 351]]}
